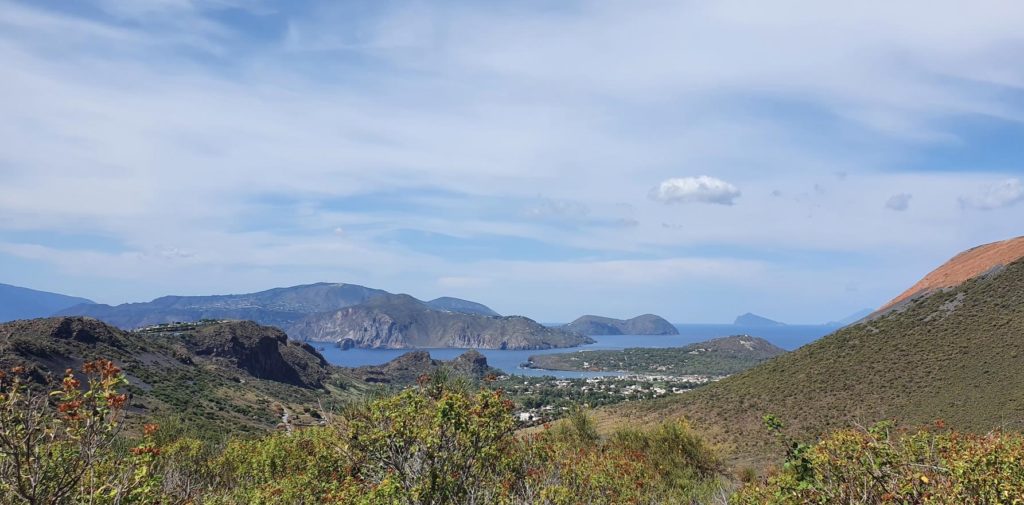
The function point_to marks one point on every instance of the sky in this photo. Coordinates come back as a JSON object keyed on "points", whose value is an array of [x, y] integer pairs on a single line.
{"points": [[797, 159]]}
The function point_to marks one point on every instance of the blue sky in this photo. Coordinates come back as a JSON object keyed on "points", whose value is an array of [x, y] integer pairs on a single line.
{"points": [[698, 160]]}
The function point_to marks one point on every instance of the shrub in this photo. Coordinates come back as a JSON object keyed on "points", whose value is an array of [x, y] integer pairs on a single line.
{"points": [[881, 465]]}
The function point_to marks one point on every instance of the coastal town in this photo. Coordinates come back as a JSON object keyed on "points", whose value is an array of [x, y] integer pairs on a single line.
{"points": [[543, 399]]}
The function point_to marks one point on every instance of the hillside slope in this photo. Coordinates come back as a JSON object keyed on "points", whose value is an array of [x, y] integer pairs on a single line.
{"points": [[24, 303], [402, 322], [233, 375], [717, 357], [956, 355], [646, 324]]}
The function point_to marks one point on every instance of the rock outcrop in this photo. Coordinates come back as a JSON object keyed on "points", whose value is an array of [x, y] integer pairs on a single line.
{"points": [[409, 367], [264, 352]]}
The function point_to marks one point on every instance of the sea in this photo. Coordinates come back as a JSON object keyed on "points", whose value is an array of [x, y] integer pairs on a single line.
{"points": [[788, 337]]}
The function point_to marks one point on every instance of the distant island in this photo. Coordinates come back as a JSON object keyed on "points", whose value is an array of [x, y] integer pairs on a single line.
{"points": [[647, 324], [713, 358], [750, 319]]}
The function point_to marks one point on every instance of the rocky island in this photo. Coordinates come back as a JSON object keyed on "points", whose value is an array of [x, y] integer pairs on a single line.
{"points": [[647, 324]]}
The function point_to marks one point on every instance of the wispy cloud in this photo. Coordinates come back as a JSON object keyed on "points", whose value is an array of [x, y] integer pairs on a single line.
{"points": [[701, 189], [995, 196], [899, 202]]}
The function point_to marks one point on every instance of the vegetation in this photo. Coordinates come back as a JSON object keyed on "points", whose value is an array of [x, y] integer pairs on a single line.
{"points": [[437, 443], [953, 354], [885, 465], [714, 358]]}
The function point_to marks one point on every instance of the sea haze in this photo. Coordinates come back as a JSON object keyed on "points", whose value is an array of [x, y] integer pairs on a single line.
{"points": [[788, 337]]}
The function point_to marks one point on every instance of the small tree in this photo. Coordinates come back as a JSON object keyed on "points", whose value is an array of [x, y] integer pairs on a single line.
{"points": [[48, 443]]}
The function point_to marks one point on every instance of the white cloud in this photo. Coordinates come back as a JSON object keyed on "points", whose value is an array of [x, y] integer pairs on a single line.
{"points": [[899, 202], [995, 196], [701, 189]]}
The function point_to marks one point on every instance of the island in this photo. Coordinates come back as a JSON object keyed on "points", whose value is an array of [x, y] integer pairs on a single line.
{"points": [[646, 324], [750, 319]]}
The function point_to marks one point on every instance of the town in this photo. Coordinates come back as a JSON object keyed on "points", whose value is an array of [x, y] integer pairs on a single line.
{"points": [[544, 399]]}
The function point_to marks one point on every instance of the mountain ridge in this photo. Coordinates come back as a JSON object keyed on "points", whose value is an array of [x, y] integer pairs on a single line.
{"points": [[18, 302]]}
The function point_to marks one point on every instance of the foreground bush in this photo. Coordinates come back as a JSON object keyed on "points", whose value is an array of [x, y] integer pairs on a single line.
{"points": [[879, 465], [438, 443], [58, 447]]}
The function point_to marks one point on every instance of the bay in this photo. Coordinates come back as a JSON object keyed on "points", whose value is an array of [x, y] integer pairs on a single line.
{"points": [[788, 337]]}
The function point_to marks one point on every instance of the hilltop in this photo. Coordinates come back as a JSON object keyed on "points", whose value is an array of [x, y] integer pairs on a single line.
{"points": [[463, 306], [750, 319], [967, 265], [24, 303], [401, 322], [716, 357], [647, 324], [951, 354]]}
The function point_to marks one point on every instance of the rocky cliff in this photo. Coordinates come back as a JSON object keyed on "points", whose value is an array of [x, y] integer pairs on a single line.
{"points": [[402, 322]]}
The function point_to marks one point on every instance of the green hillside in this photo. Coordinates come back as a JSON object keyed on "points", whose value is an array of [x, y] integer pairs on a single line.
{"points": [[955, 355], [715, 358], [233, 376]]}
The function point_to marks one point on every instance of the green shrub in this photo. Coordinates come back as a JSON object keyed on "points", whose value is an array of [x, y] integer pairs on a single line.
{"points": [[879, 465]]}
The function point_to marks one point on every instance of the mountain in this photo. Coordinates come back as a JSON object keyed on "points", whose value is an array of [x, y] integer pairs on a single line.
{"points": [[229, 375], [963, 267], [750, 319], [464, 306], [647, 324], [281, 307], [852, 318], [952, 354], [715, 358], [25, 303], [409, 367], [401, 322]]}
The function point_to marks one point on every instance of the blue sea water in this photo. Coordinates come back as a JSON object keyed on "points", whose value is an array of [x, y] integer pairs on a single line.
{"points": [[787, 337]]}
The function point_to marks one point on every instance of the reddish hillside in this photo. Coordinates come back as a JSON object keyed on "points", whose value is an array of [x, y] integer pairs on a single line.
{"points": [[963, 267]]}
